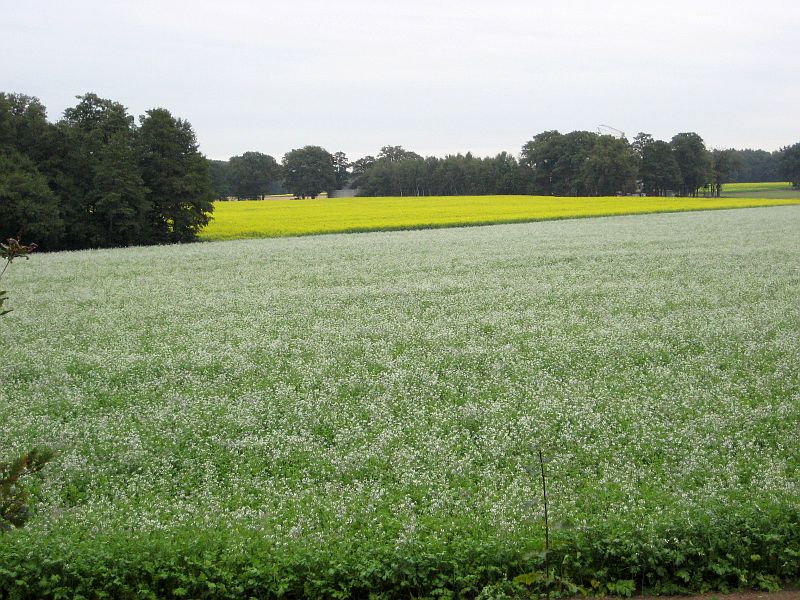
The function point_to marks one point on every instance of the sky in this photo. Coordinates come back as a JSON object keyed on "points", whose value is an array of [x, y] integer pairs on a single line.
{"points": [[437, 77]]}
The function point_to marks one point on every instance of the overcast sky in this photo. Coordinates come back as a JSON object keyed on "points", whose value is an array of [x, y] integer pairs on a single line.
{"points": [[436, 77]]}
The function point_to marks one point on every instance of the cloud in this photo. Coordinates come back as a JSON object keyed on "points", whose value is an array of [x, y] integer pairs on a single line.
{"points": [[437, 75]]}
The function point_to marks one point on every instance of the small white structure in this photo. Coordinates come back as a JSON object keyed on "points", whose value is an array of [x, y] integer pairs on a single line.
{"points": [[344, 193]]}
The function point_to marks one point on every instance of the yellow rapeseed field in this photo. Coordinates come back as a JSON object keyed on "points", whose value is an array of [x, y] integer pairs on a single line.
{"points": [[277, 218]]}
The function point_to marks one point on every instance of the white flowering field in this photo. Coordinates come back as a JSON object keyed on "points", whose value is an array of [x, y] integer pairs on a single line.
{"points": [[351, 413]]}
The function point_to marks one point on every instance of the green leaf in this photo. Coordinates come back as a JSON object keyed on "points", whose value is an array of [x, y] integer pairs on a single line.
{"points": [[624, 587], [529, 578]]}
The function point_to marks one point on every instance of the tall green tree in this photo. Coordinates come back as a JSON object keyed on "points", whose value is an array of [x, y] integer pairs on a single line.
{"points": [[28, 207], [219, 170], [360, 168], [723, 165], [308, 171], [397, 154], [556, 162], [252, 174], [176, 176], [576, 149], [756, 165], [540, 156], [658, 169], [120, 214], [502, 175], [790, 164], [640, 143], [24, 127], [108, 200], [457, 174], [396, 172], [694, 162], [341, 168], [610, 167]]}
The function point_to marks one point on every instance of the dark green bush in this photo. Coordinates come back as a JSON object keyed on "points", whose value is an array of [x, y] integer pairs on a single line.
{"points": [[759, 550]]}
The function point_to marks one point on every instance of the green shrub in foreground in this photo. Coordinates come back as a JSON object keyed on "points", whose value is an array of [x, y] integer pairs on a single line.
{"points": [[758, 550]]}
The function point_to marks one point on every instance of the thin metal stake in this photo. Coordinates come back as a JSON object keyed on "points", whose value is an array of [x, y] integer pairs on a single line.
{"points": [[546, 525]]}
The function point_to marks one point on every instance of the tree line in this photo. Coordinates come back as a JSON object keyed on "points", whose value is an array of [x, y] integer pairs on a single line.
{"points": [[579, 163], [98, 178], [303, 172]]}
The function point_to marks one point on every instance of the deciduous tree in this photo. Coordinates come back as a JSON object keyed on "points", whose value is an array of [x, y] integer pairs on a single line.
{"points": [[540, 156], [556, 162], [658, 169], [723, 165], [219, 170], [790, 164], [109, 199], [694, 162], [176, 176], [341, 168], [397, 154], [309, 171], [252, 174], [28, 207], [610, 167]]}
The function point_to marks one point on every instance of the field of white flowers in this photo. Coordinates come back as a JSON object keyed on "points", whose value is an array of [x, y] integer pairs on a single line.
{"points": [[381, 395]]}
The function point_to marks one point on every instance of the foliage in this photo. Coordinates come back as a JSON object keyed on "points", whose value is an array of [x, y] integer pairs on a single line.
{"points": [[13, 249], [176, 176], [221, 185], [24, 127], [694, 162], [360, 168], [9, 251], [399, 172], [308, 171], [790, 164], [94, 179], [405, 177], [579, 163], [540, 156], [610, 167], [658, 169], [236, 220], [724, 163], [756, 166], [352, 414], [28, 207], [252, 175], [397, 154], [110, 197], [556, 162], [14, 495], [341, 168]]}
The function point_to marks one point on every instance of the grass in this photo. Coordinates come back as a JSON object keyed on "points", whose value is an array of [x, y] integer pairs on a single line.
{"points": [[255, 219], [757, 187], [770, 189], [354, 414]]}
